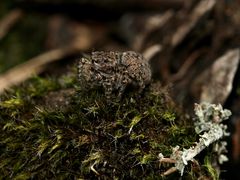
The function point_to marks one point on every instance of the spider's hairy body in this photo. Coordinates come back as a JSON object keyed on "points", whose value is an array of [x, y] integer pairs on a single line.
{"points": [[114, 71]]}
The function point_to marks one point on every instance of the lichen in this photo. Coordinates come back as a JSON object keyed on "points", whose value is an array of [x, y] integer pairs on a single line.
{"points": [[208, 125]]}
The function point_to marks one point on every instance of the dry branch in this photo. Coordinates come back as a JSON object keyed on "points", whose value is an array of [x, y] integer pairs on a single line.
{"points": [[9, 20], [153, 23], [98, 5], [186, 66], [198, 12], [35, 65], [150, 52]]}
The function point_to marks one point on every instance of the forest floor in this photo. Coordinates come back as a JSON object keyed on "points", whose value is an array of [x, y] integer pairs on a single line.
{"points": [[51, 127]]}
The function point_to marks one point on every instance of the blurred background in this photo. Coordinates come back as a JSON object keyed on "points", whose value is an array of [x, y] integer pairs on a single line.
{"points": [[192, 45]]}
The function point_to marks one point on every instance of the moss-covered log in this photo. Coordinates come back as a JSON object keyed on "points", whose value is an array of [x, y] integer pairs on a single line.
{"points": [[52, 129]]}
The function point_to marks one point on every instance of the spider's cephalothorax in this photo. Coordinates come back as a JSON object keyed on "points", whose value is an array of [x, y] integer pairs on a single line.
{"points": [[114, 71]]}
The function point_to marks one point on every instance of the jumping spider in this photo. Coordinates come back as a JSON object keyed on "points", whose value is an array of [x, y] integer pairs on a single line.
{"points": [[114, 71]]}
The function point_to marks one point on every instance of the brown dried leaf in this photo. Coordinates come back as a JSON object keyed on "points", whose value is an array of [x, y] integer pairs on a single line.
{"points": [[217, 80]]}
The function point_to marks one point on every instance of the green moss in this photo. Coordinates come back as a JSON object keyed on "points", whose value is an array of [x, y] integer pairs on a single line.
{"points": [[12, 103], [82, 136], [210, 169], [39, 86], [169, 116]]}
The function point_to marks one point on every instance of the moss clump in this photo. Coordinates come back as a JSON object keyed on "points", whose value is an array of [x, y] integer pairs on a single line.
{"points": [[51, 128]]}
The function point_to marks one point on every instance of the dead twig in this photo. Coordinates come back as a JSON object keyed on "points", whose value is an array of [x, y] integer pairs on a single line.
{"points": [[150, 52], [198, 12], [104, 10], [186, 66], [153, 23], [8, 21], [35, 65]]}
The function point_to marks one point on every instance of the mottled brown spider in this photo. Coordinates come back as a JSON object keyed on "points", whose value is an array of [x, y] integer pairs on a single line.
{"points": [[114, 71]]}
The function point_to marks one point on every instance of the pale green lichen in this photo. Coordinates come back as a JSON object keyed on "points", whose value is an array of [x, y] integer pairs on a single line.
{"points": [[209, 126]]}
